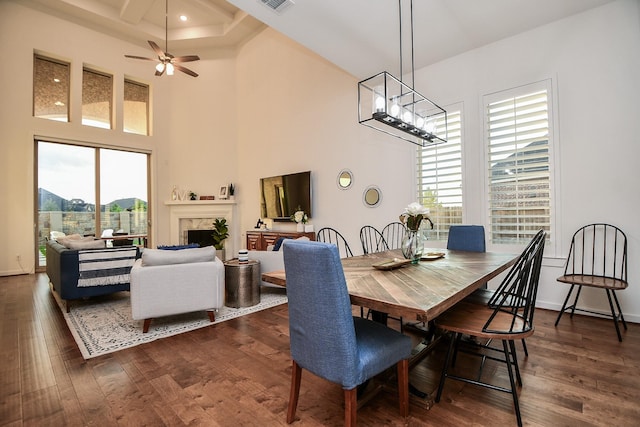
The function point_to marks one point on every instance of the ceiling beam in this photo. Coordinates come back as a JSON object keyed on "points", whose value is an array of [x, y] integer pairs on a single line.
{"points": [[134, 10]]}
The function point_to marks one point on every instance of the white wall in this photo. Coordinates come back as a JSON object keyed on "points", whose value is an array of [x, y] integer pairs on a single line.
{"points": [[594, 61], [298, 112], [279, 108]]}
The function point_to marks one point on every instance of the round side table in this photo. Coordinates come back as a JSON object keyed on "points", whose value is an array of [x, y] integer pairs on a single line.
{"points": [[242, 283]]}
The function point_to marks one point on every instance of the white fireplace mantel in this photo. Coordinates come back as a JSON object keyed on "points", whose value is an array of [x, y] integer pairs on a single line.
{"points": [[209, 209]]}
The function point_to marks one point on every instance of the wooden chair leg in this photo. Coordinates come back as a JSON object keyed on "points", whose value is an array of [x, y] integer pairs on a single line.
{"points": [[350, 407], [403, 387], [145, 326], [212, 316], [296, 375]]}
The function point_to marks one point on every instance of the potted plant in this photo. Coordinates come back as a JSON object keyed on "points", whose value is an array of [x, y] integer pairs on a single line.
{"points": [[220, 233]]}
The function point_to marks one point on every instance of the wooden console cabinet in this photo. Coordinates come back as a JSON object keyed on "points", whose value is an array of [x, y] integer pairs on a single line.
{"points": [[258, 240]]}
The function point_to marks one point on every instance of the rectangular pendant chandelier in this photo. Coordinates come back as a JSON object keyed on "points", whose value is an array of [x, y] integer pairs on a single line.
{"points": [[393, 107]]}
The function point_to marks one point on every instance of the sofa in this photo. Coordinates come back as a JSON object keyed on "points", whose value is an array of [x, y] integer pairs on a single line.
{"points": [[89, 270], [168, 282], [269, 261]]}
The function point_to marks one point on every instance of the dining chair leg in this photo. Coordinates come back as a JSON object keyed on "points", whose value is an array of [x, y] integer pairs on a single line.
{"points": [[575, 301], [514, 393], [512, 346], [564, 305], [350, 407], [445, 368], [403, 387], [615, 297], [524, 347], [296, 375], [613, 313]]}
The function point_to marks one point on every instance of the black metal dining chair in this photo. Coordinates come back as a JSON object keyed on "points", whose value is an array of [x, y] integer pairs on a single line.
{"points": [[372, 240], [331, 235], [509, 317], [597, 259], [393, 233]]}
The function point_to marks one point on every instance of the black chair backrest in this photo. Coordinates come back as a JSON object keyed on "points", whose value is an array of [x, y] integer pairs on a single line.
{"points": [[393, 234], [517, 293], [372, 240], [598, 250], [330, 235]]}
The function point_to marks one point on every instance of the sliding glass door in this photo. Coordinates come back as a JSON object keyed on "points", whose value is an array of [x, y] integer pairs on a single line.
{"points": [[89, 191]]}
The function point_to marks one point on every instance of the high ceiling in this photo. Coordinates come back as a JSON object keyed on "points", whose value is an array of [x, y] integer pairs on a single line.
{"points": [[360, 36]]}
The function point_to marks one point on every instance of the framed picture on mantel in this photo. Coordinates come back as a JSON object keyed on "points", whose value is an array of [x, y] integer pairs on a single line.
{"points": [[223, 192]]}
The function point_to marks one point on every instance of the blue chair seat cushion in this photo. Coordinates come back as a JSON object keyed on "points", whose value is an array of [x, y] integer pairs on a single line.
{"points": [[379, 348]]}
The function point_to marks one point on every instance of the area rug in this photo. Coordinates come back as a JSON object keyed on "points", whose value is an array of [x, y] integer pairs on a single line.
{"points": [[103, 325]]}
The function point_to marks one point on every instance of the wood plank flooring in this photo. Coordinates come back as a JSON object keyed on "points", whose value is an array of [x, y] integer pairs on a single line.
{"points": [[237, 373]]}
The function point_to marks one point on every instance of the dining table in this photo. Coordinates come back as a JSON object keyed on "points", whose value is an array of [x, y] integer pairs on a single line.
{"points": [[387, 283]]}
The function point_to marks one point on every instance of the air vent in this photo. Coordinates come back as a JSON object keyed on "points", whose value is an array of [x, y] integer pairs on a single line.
{"points": [[278, 6]]}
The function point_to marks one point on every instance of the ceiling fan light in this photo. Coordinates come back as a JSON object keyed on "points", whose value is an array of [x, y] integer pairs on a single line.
{"points": [[169, 69], [160, 67]]}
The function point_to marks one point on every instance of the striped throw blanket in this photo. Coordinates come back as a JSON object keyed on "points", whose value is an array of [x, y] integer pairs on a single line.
{"points": [[99, 267]]}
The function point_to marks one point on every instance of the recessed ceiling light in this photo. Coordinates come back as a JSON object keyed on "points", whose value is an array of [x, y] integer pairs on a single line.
{"points": [[56, 80], [59, 104], [183, 18]]}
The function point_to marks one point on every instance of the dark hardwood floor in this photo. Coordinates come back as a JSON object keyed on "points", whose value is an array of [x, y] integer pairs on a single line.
{"points": [[237, 373]]}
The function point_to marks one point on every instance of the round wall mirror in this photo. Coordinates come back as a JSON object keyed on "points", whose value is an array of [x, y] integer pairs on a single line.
{"points": [[372, 196], [345, 179]]}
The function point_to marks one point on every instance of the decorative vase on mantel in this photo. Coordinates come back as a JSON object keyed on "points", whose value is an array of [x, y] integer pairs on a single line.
{"points": [[300, 227], [413, 245]]}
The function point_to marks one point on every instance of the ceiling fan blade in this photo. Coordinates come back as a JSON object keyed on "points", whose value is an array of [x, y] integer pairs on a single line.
{"points": [[156, 48], [185, 70], [140, 57], [161, 72], [187, 58]]}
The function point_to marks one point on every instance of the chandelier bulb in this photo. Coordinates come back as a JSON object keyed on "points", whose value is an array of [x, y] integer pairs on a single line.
{"points": [[160, 67]]}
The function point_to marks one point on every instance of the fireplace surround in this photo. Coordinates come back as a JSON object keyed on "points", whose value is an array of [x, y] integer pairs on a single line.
{"points": [[199, 215]]}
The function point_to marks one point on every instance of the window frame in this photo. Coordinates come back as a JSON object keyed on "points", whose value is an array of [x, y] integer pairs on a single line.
{"points": [[549, 85], [455, 115]]}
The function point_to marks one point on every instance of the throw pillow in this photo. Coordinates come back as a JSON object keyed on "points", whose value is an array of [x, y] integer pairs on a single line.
{"points": [[161, 257], [90, 243], [178, 247]]}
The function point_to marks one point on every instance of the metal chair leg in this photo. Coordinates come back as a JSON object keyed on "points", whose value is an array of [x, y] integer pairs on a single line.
{"points": [[511, 380]]}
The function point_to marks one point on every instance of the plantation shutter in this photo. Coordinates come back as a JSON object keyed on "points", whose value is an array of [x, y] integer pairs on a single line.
{"points": [[439, 175], [519, 190]]}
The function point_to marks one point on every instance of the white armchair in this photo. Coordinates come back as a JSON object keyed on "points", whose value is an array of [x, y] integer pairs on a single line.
{"points": [[166, 282]]}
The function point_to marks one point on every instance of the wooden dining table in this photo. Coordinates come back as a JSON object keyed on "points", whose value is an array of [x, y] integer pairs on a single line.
{"points": [[419, 291]]}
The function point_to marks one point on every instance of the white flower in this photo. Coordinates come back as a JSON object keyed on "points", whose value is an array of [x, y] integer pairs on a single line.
{"points": [[415, 209], [300, 216]]}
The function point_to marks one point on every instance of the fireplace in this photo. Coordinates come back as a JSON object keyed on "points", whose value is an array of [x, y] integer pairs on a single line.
{"points": [[198, 217], [201, 237]]}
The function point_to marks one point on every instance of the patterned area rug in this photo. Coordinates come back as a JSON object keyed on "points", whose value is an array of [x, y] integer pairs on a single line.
{"points": [[102, 325]]}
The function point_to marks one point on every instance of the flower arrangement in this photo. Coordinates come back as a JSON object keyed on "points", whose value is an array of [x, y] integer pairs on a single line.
{"points": [[299, 216], [413, 216]]}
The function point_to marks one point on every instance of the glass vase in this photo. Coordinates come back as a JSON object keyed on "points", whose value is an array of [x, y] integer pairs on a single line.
{"points": [[412, 245]]}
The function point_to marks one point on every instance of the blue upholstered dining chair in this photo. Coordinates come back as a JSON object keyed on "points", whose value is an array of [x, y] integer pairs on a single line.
{"points": [[326, 339], [466, 238]]}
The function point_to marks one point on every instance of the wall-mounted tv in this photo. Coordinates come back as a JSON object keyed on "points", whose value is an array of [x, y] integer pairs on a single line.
{"points": [[281, 196]]}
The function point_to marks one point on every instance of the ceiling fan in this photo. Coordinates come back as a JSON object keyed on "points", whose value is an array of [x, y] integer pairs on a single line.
{"points": [[168, 62]]}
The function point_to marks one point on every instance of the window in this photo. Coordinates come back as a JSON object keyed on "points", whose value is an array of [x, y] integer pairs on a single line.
{"points": [[86, 190], [97, 99], [518, 169], [136, 108], [50, 89], [440, 177]]}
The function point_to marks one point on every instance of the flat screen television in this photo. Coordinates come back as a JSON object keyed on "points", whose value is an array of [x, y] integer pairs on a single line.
{"points": [[281, 196]]}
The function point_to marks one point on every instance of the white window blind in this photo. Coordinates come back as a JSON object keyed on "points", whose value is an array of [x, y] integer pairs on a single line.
{"points": [[439, 175], [519, 190]]}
